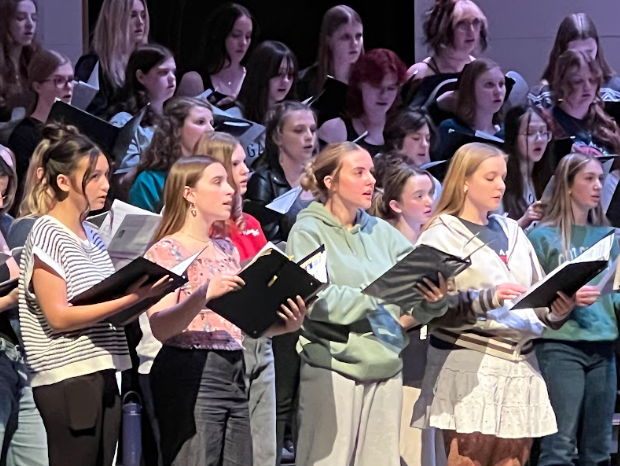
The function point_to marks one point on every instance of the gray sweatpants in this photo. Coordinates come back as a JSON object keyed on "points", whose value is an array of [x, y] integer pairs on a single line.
{"points": [[347, 423], [260, 380]]}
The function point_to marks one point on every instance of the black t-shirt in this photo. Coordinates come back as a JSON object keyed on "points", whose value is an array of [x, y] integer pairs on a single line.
{"points": [[492, 235], [23, 141]]}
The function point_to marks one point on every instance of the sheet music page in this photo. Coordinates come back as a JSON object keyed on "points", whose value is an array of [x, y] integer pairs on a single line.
{"points": [[607, 283], [316, 265], [83, 94], [115, 217], [132, 238], [282, 204], [601, 250], [490, 137]]}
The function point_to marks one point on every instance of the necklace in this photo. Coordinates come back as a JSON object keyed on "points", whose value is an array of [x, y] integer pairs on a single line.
{"points": [[233, 81], [194, 238]]}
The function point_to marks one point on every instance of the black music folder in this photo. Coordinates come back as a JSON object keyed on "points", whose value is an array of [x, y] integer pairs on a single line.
{"points": [[568, 277], [457, 139], [397, 285], [331, 102], [117, 284], [113, 141], [7, 286], [613, 110], [270, 279]]}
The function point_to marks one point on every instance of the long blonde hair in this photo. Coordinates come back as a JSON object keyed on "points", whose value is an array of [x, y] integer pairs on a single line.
{"points": [[463, 165], [559, 211], [184, 173], [221, 146], [111, 38]]}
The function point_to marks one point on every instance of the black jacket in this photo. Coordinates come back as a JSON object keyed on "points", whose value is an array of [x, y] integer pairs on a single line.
{"points": [[266, 184]]}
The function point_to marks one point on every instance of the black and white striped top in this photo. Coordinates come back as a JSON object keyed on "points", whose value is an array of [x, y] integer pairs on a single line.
{"points": [[55, 356]]}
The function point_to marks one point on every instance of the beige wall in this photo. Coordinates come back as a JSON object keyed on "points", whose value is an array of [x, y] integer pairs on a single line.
{"points": [[60, 26], [522, 31]]}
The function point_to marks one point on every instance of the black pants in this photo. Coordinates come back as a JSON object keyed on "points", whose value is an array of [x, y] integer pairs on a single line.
{"points": [[82, 417], [201, 407], [287, 364]]}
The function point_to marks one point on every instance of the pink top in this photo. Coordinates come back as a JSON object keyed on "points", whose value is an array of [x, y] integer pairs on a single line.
{"points": [[208, 330]]}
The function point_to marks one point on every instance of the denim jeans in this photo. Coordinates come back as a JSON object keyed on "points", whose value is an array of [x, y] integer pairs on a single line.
{"points": [[23, 440], [260, 381], [201, 407], [581, 379]]}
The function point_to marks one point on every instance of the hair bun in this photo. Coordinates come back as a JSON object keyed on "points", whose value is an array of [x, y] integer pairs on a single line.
{"points": [[308, 180], [56, 132]]}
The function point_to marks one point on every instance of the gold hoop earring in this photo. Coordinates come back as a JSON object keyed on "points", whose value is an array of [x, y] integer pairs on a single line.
{"points": [[192, 210]]}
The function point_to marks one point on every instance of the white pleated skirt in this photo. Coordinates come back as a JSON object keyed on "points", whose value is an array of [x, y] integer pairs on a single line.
{"points": [[468, 391]]}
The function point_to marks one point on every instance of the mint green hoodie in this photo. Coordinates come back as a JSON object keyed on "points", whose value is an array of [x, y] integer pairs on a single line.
{"points": [[346, 331], [593, 323]]}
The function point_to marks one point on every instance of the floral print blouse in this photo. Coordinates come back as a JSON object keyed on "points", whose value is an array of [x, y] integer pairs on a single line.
{"points": [[208, 330]]}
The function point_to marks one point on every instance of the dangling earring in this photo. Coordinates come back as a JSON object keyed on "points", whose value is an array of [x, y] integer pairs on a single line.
{"points": [[192, 210]]}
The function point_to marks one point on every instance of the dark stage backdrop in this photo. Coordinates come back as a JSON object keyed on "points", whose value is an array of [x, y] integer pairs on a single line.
{"points": [[179, 25]]}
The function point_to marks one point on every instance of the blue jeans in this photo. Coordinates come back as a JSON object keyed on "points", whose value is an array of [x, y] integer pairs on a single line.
{"points": [[23, 440], [581, 380], [260, 381], [202, 407]]}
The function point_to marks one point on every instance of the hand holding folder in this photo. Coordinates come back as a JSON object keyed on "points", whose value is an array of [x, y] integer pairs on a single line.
{"points": [[121, 282], [270, 280], [9, 285], [568, 277], [397, 285]]}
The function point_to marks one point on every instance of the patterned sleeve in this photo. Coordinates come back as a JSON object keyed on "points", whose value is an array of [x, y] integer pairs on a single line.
{"points": [[230, 249], [164, 253]]}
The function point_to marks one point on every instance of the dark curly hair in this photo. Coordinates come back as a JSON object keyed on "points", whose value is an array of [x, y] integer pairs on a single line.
{"points": [[165, 148]]}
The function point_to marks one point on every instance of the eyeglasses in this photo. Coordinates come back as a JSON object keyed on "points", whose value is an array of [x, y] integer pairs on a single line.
{"points": [[543, 135], [60, 81]]}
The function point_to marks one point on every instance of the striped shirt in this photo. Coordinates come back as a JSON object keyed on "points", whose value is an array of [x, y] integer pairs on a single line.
{"points": [[53, 356]]}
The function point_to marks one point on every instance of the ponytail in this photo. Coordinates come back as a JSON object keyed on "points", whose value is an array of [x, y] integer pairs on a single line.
{"points": [[381, 207], [59, 153]]}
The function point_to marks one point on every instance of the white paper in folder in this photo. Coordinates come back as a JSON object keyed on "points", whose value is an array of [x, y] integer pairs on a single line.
{"points": [[127, 231]]}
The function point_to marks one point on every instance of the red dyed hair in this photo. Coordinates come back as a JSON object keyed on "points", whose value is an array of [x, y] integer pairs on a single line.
{"points": [[371, 68]]}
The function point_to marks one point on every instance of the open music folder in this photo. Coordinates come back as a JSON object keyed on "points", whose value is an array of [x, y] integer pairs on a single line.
{"points": [[117, 284], [126, 231], [270, 279], [111, 140], [569, 277], [397, 285]]}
